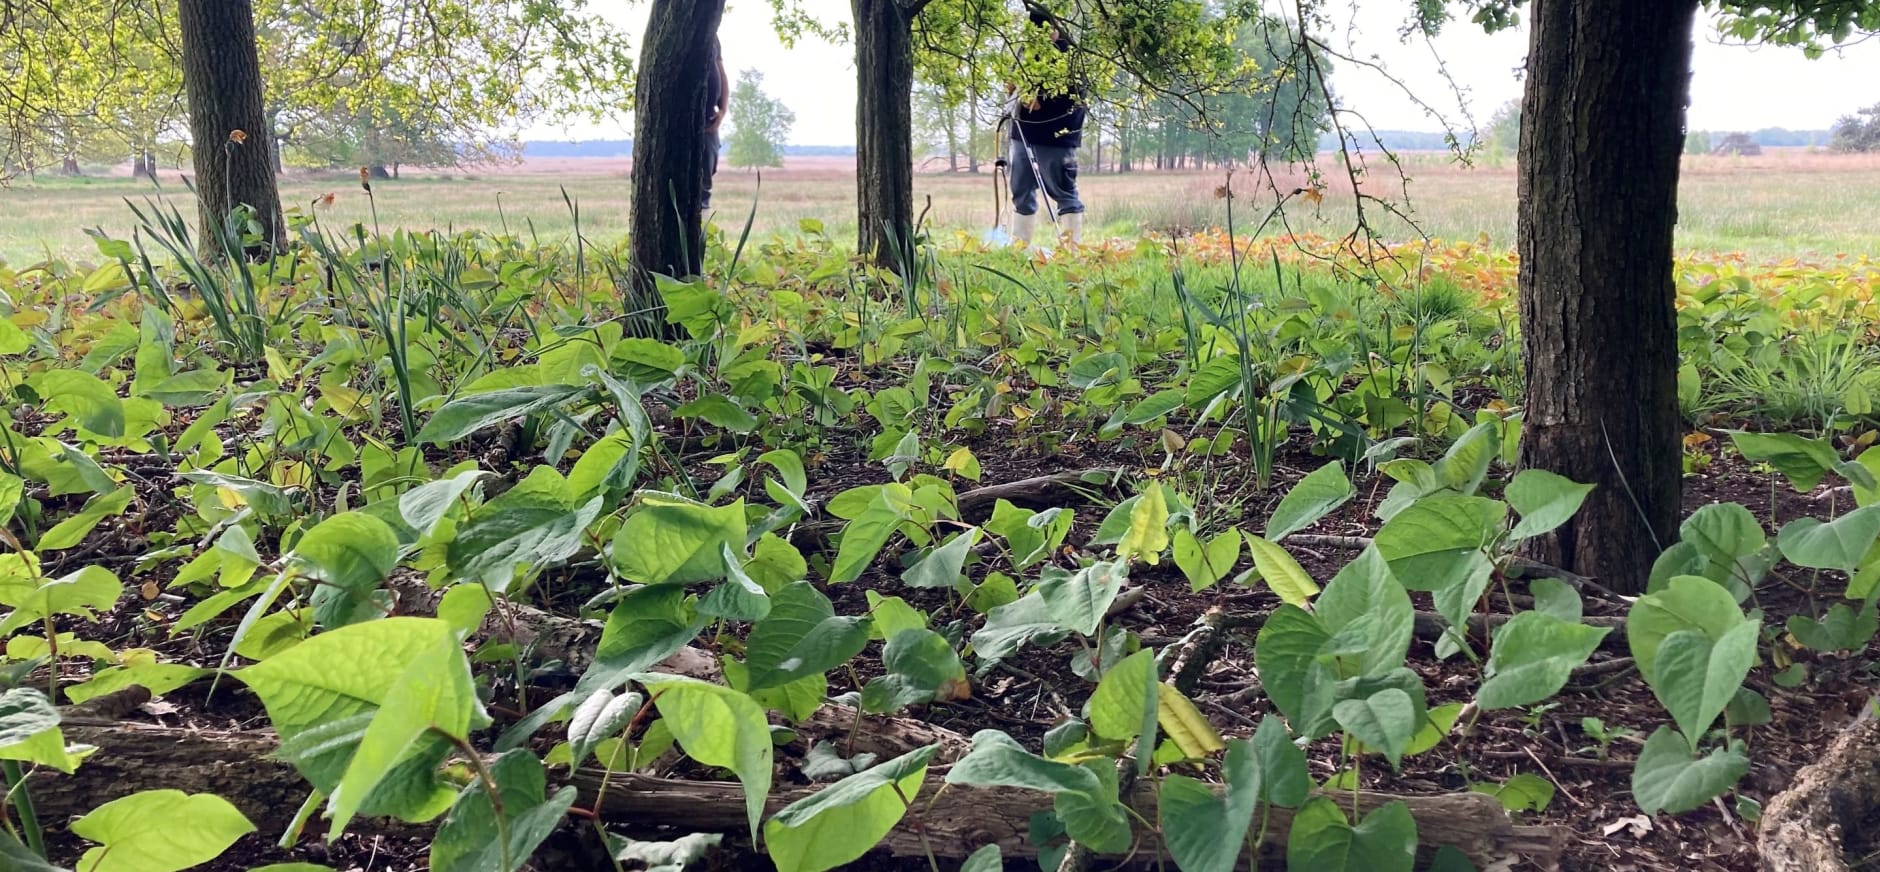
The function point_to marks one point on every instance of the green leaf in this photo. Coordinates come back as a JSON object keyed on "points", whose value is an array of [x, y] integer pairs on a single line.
{"points": [[1840, 544], [78, 593], [892, 615], [1098, 818], [840, 823], [941, 567], [1284, 778], [645, 627], [738, 598], [159, 831], [1802, 461], [1147, 536], [997, 760], [350, 555], [83, 398], [921, 668], [434, 694], [73, 530], [1385, 721], [1365, 603], [1696, 678], [1322, 840], [1010, 626], [1545, 501], [1667, 778], [1463, 467], [465, 415], [718, 726], [15, 857], [1532, 657], [1426, 542], [536, 525], [675, 541], [987, 859], [1841, 629], [719, 411], [1205, 832], [1686, 603], [1120, 706], [1282, 573], [1318, 494], [1286, 652], [24, 713], [1204, 565], [1868, 495], [864, 537], [424, 506], [1522, 792], [1079, 601], [470, 840], [322, 712], [12, 490], [601, 716], [802, 637]]}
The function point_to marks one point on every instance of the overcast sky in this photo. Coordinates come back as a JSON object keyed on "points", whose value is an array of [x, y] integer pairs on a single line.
{"points": [[1733, 87]]}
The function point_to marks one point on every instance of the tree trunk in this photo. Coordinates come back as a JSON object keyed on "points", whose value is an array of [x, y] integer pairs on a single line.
{"points": [[69, 166], [884, 149], [1602, 125], [222, 77], [667, 235]]}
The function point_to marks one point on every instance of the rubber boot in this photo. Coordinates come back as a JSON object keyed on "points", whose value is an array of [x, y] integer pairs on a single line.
{"points": [[1022, 226], [1073, 227]]}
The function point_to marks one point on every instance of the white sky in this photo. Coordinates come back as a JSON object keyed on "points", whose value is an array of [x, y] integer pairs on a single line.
{"points": [[1733, 87]]}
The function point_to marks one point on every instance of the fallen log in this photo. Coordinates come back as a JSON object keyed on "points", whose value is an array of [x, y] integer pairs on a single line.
{"points": [[1807, 827], [952, 821], [976, 505]]}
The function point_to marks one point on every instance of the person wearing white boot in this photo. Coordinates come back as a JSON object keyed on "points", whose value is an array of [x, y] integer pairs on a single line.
{"points": [[1046, 133]]}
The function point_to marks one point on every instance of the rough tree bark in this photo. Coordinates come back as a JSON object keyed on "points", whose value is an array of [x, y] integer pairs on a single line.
{"points": [[1602, 125], [1814, 825], [668, 134], [884, 124], [222, 78]]}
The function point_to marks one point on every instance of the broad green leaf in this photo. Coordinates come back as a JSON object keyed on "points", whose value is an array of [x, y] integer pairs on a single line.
{"points": [[467, 414], [470, 840], [921, 668], [1462, 468], [1147, 536], [1802, 461], [1385, 721], [1667, 778], [1532, 657], [537, 524], [1205, 564], [987, 859], [997, 760], [267, 500], [322, 695], [24, 713], [801, 637], [718, 726], [1285, 653], [863, 538], [1284, 779], [840, 823], [1153, 406], [1365, 601], [73, 530], [1282, 573], [83, 398], [601, 716], [159, 831], [1841, 629], [158, 678], [941, 567], [1322, 840], [12, 490], [434, 694], [1318, 494], [464, 606], [1522, 792], [738, 598], [1545, 501], [1080, 601], [1010, 626], [1725, 533], [1206, 831], [645, 627], [1098, 818], [350, 555], [1840, 544], [675, 541], [892, 615], [15, 857], [1686, 603], [424, 506], [1865, 495], [79, 593], [1427, 542], [719, 411], [1696, 678], [1120, 705]]}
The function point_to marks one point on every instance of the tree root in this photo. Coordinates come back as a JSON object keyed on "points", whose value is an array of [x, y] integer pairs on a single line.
{"points": [[1806, 827]]}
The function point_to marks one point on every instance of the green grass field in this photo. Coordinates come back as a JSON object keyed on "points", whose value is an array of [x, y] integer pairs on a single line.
{"points": [[1784, 204]]}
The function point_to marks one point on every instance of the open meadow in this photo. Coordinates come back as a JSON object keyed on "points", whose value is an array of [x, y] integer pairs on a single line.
{"points": [[1786, 203]]}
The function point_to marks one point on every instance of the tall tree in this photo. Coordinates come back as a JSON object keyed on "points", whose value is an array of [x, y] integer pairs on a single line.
{"points": [[234, 152], [884, 123], [668, 137], [760, 124]]}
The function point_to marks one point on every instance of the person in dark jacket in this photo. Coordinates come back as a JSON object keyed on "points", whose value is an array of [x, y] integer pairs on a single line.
{"points": [[1047, 130], [717, 99]]}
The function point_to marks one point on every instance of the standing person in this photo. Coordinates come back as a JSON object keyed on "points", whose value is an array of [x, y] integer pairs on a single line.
{"points": [[1047, 130], [717, 100]]}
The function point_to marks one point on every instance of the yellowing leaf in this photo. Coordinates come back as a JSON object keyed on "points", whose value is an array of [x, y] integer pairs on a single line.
{"points": [[1148, 528], [1185, 725], [963, 464], [1282, 573]]}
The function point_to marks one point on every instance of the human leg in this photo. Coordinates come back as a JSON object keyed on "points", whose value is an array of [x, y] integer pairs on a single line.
{"points": [[1024, 193], [708, 168]]}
